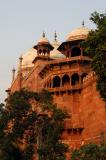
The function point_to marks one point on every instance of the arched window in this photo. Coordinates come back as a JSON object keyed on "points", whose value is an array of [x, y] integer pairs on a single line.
{"points": [[74, 79], [44, 51], [82, 76], [65, 80], [75, 51], [56, 81], [40, 51]]}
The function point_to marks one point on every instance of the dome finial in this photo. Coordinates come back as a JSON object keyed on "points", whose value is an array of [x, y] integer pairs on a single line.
{"points": [[55, 36], [21, 58], [43, 35], [83, 23]]}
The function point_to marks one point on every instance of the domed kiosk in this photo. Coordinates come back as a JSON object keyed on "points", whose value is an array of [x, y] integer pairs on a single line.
{"points": [[31, 54], [78, 34], [71, 47]]}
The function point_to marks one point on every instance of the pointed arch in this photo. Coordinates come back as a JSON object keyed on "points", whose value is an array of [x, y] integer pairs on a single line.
{"points": [[74, 79], [56, 81], [65, 80]]}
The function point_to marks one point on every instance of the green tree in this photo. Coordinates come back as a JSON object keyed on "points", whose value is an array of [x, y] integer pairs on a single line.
{"points": [[89, 152], [16, 122], [51, 127], [24, 131], [95, 47]]}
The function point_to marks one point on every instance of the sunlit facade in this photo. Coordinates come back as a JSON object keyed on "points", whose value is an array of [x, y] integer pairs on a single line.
{"points": [[65, 71]]}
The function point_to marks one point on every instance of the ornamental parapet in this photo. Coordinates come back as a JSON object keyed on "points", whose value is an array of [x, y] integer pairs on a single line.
{"points": [[89, 78], [59, 63]]}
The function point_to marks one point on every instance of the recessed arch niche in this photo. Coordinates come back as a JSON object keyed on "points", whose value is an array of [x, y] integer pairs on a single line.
{"points": [[56, 81], [65, 80], [75, 79], [75, 51]]}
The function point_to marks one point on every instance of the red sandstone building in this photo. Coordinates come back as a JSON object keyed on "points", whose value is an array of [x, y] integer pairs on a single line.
{"points": [[65, 71]]}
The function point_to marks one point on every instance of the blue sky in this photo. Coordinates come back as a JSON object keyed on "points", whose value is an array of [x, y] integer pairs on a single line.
{"points": [[23, 21]]}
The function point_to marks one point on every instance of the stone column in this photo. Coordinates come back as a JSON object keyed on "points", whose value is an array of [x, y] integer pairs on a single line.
{"points": [[52, 82], [70, 54], [70, 79], [80, 78], [81, 51], [60, 81]]}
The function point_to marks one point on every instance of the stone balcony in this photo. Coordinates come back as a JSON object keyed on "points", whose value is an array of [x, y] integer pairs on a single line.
{"points": [[65, 88]]}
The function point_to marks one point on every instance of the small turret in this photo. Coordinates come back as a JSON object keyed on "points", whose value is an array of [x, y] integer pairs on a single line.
{"points": [[71, 47], [43, 47]]}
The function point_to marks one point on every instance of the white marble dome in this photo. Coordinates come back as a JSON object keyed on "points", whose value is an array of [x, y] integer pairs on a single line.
{"points": [[78, 33], [28, 57], [55, 54]]}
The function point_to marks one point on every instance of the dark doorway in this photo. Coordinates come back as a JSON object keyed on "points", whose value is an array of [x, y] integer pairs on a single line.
{"points": [[56, 81], [76, 51], [65, 80], [75, 79]]}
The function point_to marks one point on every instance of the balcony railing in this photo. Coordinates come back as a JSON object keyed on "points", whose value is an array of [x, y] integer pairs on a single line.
{"points": [[65, 88]]}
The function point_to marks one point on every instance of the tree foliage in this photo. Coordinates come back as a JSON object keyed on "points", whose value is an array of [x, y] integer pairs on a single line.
{"points": [[25, 132], [89, 152], [95, 47]]}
